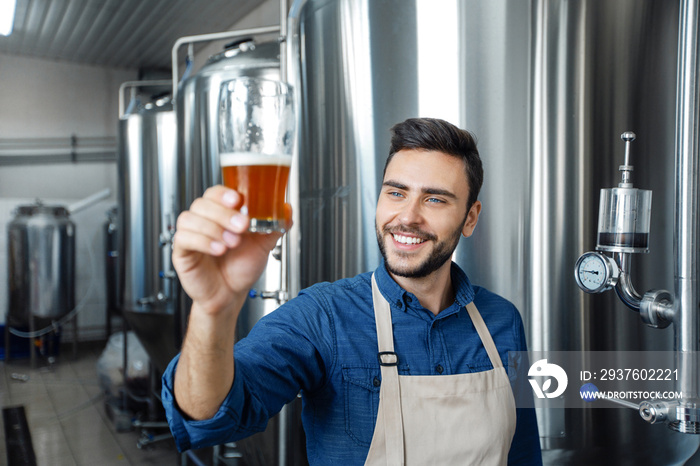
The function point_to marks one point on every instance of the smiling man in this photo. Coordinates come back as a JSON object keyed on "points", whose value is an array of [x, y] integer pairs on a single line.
{"points": [[403, 365]]}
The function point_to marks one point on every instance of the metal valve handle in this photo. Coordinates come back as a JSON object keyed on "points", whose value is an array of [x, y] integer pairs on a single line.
{"points": [[628, 137]]}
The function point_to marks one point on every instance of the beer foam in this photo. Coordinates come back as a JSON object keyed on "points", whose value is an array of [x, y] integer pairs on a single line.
{"points": [[233, 159]]}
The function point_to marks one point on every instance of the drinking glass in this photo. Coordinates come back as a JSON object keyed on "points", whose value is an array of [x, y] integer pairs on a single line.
{"points": [[256, 139]]}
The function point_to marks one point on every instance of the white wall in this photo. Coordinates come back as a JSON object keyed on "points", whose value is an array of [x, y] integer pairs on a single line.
{"points": [[42, 98]]}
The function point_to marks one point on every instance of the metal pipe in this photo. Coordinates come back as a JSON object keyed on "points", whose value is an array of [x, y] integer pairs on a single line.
{"points": [[23, 159], [44, 146], [625, 290], [283, 434], [192, 456], [133, 84], [293, 237], [89, 201], [21, 143], [283, 40], [685, 246], [208, 38], [624, 403]]}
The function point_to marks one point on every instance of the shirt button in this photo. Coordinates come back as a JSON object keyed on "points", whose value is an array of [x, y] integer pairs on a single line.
{"points": [[408, 299], [376, 382], [439, 369]]}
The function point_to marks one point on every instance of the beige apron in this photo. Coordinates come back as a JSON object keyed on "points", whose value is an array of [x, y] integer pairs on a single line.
{"points": [[443, 420]]}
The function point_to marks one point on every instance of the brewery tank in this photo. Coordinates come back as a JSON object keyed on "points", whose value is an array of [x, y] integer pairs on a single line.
{"points": [[41, 251], [198, 158], [147, 211], [197, 106], [547, 86]]}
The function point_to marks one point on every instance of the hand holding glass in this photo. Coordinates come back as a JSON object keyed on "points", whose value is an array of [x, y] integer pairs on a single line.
{"points": [[256, 139]]}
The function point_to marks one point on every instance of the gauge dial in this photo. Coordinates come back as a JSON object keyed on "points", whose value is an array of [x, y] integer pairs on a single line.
{"points": [[596, 272]]}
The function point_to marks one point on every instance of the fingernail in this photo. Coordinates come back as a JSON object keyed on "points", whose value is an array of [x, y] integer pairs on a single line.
{"points": [[239, 222], [217, 247], [230, 198], [229, 238]]}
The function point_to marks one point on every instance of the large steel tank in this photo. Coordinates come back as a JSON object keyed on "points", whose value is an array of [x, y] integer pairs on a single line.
{"points": [[198, 147], [41, 268], [147, 211], [197, 107], [547, 86]]}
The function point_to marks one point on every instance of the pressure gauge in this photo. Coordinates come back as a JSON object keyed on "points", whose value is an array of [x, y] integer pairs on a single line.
{"points": [[595, 272]]}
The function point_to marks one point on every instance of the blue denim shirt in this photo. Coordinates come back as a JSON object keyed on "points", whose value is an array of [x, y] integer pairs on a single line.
{"points": [[323, 344]]}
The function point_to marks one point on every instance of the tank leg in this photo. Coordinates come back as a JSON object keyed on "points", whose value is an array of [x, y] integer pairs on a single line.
{"points": [[7, 338], [32, 343], [75, 336]]}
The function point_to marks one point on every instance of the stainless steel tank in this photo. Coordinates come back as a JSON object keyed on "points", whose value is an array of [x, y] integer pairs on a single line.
{"points": [[198, 158], [197, 109], [41, 251], [547, 86], [198, 147], [148, 208]]}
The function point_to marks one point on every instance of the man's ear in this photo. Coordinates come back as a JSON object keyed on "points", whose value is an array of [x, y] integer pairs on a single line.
{"points": [[472, 219]]}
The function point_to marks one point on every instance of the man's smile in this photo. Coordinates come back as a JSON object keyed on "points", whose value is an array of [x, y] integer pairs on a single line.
{"points": [[407, 239]]}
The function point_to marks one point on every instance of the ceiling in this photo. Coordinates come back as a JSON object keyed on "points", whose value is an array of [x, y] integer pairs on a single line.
{"points": [[116, 33]]}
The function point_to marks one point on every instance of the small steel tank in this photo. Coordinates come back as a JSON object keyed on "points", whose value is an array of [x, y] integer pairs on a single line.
{"points": [[147, 210], [41, 251]]}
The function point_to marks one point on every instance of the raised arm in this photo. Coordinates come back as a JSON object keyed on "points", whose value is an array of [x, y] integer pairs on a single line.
{"points": [[217, 261]]}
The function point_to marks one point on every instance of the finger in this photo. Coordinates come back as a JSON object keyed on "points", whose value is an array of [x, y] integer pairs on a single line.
{"points": [[202, 235], [197, 224], [186, 242], [228, 197], [213, 211]]}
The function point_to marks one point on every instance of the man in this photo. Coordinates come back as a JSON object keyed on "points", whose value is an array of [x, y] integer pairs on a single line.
{"points": [[403, 364]]}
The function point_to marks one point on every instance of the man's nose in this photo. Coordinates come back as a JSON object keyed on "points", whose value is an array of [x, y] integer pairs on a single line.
{"points": [[411, 212]]}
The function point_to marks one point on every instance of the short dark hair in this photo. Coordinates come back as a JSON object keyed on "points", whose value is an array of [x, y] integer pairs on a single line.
{"points": [[432, 134]]}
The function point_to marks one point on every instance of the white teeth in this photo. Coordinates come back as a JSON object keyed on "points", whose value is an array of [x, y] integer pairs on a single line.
{"points": [[407, 239]]}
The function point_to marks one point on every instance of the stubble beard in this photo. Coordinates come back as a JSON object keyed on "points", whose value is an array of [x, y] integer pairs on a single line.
{"points": [[442, 251]]}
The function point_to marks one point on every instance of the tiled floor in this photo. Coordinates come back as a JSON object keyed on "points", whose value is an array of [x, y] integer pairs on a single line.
{"points": [[65, 410]]}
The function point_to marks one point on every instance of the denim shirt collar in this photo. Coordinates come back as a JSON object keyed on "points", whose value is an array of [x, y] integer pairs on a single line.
{"points": [[401, 299]]}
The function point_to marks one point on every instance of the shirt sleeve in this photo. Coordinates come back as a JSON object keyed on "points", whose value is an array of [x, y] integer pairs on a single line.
{"points": [[525, 448], [198, 434], [286, 352]]}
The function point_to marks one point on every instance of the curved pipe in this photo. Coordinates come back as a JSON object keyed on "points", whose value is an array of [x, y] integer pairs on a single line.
{"points": [[134, 84], [624, 289], [208, 38]]}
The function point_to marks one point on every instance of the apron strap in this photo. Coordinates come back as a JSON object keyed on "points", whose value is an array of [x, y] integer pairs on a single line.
{"points": [[485, 335], [390, 395]]}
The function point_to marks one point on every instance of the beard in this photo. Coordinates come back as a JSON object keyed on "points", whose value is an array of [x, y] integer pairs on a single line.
{"points": [[442, 251]]}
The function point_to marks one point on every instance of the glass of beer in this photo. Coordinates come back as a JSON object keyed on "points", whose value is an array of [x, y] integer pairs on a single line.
{"points": [[256, 139]]}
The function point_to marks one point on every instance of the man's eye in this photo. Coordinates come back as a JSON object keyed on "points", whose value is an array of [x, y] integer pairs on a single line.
{"points": [[436, 201]]}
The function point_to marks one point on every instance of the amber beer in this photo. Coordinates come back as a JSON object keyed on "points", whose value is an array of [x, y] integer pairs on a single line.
{"points": [[262, 181]]}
